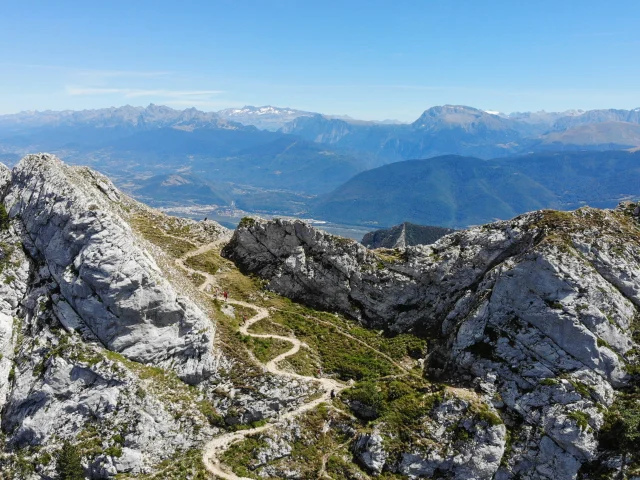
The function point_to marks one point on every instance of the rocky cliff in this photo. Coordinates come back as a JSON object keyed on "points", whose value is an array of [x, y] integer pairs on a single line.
{"points": [[504, 351], [104, 340], [538, 314], [69, 262], [106, 282]]}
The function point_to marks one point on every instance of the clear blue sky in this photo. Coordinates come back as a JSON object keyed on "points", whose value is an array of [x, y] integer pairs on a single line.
{"points": [[368, 59]]}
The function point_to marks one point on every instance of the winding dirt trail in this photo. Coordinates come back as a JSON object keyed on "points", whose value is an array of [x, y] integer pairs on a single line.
{"points": [[210, 280], [355, 339], [214, 449]]}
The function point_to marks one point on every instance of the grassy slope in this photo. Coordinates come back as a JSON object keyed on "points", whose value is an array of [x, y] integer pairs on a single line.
{"points": [[384, 369]]}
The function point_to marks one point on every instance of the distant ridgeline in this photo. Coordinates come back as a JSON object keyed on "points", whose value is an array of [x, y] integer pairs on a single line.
{"points": [[404, 235], [456, 192], [455, 165]]}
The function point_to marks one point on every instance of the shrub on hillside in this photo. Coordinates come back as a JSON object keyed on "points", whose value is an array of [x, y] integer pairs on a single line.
{"points": [[68, 466], [4, 217]]}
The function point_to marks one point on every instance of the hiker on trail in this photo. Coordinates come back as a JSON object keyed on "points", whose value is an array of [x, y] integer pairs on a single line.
{"points": [[333, 394], [225, 294], [244, 318], [320, 372]]}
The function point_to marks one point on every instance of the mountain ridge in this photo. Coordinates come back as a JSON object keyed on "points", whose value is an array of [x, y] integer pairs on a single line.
{"points": [[520, 332], [105, 341], [514, 308], [455, 191]]}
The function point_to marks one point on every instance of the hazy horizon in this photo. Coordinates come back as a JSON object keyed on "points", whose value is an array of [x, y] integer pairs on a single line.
{"points": [[283, 107]]}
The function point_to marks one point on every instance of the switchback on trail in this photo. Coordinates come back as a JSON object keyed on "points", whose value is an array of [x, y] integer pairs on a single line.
{"points": [[214, 449]]}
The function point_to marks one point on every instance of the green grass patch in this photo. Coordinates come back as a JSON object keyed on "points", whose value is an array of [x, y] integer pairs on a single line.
{"points": [[581, 419], [4, 217], [390, 255], [304, 362], [266, 325], [340, 355], [238, 456], [6, 252], [208, 262], [151, 231], [340, 467], [246, 222], [401, 405], [265, 349], [308, 448], [196, 278], [180, 466], [549, 382], [621, 429]]}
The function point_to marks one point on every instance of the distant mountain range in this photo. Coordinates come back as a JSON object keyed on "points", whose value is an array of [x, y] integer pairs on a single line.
{"points": [[157, 141], [127, 117], [461, 130], [273, 118], [454, 191], [600, 136], [596, 116], [278, 160], [441, 130], [265, 118]]}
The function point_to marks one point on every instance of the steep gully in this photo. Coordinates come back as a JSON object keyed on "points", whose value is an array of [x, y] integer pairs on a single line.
{"points": [[218, 445]]}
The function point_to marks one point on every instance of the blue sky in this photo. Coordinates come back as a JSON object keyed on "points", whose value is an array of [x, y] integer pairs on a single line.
{"points": [[368, 59]]}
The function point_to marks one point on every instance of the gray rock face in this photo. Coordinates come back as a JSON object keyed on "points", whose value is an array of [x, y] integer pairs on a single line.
{"points": [[79, 394], [537, 313], [76, 285], [370, 452], [100, 331], [14, 274], [396, 293], [106, 280], [5, 176], [456, 441]]}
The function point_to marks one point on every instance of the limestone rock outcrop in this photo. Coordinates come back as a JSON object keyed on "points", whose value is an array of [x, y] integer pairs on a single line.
{"points": [[531, 331], [15, 269], [5, 177], [537, 313], [107, 282], [86, 318]]}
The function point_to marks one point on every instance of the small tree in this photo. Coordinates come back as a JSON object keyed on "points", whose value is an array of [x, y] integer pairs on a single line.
{"points": [[367, 395], [4, 217], [68, 465]]}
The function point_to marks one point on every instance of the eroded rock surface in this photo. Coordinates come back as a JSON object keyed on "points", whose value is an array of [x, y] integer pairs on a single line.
{"points": [[5, 176], [14, 274], [537, 313], [106, 281], [81, 303], [105, 341]]}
